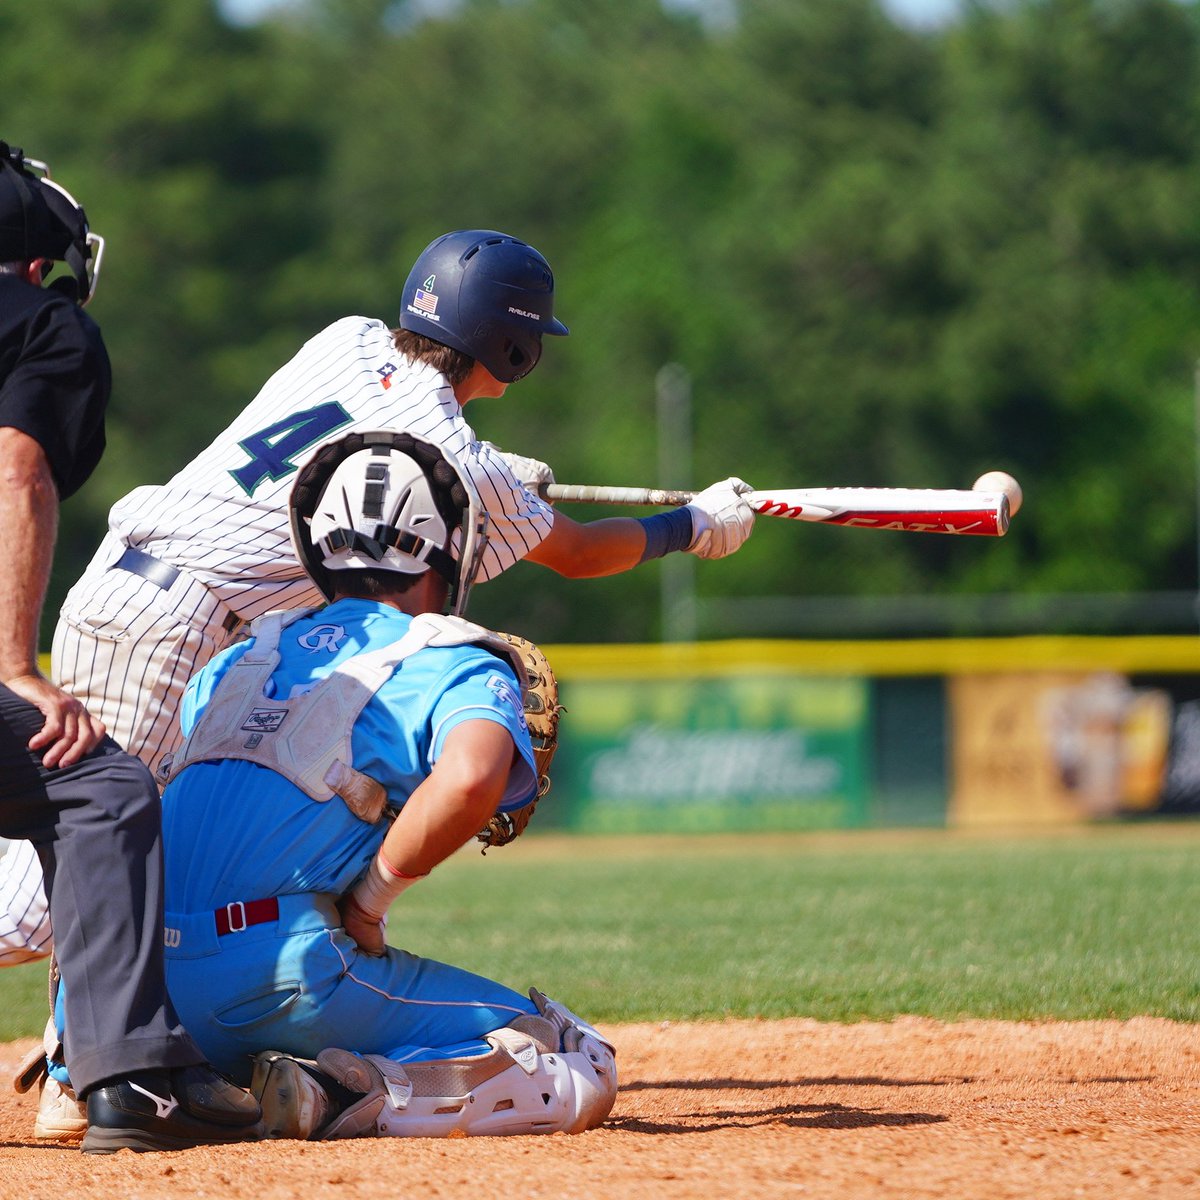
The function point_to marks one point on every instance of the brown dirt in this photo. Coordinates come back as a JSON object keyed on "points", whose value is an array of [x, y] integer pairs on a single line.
{"points": [[749, 1109]]}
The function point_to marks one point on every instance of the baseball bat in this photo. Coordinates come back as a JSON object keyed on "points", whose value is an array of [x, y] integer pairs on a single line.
{"points": [[911, 510]]}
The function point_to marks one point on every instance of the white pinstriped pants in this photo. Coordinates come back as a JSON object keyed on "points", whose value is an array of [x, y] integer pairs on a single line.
{"points": [[25, 933], [126, 648]]}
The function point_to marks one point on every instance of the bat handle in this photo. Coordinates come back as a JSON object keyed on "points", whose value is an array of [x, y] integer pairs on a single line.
{"points": [[598, 494]]}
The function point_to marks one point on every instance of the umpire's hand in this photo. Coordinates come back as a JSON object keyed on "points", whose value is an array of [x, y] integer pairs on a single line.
{"points": [[70, 732]]}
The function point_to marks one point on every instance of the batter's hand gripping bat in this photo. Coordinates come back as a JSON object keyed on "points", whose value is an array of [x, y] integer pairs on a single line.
{"points": [[912, 510]]}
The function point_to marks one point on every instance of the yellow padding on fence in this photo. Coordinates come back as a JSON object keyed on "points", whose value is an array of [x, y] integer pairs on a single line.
{"points": [[946, 656], [918, 657]]}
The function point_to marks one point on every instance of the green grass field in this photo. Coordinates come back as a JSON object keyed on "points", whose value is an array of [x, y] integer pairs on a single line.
{"points": [[1098, 922]]}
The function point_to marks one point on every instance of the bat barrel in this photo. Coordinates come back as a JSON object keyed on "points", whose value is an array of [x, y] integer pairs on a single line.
{"points": [[911, 510]]}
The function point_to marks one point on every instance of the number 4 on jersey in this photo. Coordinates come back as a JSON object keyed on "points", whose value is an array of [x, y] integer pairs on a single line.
{"points": [[273, 450]]}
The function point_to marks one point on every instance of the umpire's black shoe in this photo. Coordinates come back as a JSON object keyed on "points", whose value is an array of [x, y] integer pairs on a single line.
{"points": [[170, 1110]]}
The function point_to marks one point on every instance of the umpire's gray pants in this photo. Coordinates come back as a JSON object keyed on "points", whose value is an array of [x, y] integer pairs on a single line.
{"points": [[97, 828]]}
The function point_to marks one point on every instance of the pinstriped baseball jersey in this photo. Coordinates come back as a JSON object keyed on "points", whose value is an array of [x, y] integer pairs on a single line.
{"points": [[224, 517]]}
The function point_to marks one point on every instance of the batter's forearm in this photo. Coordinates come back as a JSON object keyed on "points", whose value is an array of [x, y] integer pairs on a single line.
{"points": [[591, 549], [28, 527]]}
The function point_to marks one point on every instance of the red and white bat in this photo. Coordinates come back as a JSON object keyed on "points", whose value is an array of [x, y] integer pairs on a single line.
{"points": [[912, 510]]}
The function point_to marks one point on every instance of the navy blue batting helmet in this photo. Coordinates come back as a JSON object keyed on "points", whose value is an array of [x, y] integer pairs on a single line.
{"points": [[484, 293]]}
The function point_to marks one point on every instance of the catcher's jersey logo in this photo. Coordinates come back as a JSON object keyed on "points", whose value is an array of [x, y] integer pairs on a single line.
{"points": [[508, 695], [322, 637], [264, 720]]}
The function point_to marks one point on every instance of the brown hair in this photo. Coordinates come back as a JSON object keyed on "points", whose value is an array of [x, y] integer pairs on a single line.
{"points": [[371, 585], [454, 364]]}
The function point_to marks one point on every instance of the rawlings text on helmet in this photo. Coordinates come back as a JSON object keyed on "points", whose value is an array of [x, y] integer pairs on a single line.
{"points": [[486, 294]]}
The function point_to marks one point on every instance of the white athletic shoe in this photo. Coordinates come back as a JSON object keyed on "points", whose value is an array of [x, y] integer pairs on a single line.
{"points": [[60, 1116], [294, 1104]]}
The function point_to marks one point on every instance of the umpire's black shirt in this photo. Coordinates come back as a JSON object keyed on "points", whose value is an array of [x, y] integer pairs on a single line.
{"points": [[55, 378]]}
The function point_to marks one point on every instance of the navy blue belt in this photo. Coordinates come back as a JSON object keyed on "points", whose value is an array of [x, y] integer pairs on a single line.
{"points": [[148, 567], [162, 574]]}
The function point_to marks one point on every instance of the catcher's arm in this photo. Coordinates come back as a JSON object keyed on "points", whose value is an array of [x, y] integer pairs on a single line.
{"points": [[444, 812]]}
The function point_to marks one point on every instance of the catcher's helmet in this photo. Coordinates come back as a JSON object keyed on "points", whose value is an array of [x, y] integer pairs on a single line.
{"points": [[484, 293], [40, 219], [386, 501]]}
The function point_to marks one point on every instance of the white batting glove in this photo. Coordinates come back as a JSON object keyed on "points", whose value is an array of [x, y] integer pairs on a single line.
{"points": [[529, 471], [721, 519]]}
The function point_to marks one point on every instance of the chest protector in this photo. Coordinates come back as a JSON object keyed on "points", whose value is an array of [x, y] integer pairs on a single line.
{"points": [[306, 738]]}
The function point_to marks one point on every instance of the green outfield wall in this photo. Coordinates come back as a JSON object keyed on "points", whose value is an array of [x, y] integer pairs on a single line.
{"points": [[782, 735]]}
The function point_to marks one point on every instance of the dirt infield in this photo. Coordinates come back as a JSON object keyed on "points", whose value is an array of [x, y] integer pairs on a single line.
{"points": [[749, 1109]]}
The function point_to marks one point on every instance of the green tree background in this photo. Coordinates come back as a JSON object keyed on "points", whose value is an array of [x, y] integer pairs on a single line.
{"points": [[884, 255]]}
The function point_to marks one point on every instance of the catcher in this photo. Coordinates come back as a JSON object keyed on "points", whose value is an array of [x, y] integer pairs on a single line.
{"points": [[330, 763]]}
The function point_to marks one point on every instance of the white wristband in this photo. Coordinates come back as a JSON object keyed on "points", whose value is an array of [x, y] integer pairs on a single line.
{"points": [[376, 891]]}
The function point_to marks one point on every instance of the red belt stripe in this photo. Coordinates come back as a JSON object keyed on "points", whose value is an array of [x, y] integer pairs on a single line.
{"points": [[241, 914]]}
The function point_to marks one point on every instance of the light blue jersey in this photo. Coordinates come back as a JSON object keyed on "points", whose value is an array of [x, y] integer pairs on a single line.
{"points": [[270, 838], [256, 956]]}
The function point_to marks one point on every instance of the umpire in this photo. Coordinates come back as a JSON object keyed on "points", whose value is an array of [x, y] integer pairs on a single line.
{"points": [[90, 809]]}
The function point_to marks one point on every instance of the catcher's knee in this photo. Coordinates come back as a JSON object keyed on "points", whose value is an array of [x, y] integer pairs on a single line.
{"points": [[541, 1076]]}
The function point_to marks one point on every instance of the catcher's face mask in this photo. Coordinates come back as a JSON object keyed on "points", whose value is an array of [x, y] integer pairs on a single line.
{"points": [[389, 502], [39, 218]]}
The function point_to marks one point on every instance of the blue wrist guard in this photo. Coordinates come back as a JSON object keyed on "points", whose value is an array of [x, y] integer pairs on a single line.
{"points": [[666, 532]]}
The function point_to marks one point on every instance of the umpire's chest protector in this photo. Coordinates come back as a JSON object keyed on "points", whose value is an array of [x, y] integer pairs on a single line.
{"points": [[307, 738]]}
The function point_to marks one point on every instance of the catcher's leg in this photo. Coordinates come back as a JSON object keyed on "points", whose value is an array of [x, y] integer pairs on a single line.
{"points": [[548, 1073], [61, 1116], [25, 935]]}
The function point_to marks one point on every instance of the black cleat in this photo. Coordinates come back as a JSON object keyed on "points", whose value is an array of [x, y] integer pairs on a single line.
{"points": [[170, 1110]]}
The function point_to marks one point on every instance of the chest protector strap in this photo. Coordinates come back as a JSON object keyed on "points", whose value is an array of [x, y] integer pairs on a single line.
{"points": [[306, 738]]}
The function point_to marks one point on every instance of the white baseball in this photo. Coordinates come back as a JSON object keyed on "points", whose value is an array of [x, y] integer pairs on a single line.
{"points": [[1000, 481]]}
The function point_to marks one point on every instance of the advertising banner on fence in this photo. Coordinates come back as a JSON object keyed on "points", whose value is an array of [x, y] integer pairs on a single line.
{"points": [[1052, 747], [674, 755]]}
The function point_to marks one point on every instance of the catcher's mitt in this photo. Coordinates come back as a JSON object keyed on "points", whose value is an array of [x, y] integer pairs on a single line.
{"points": [[539, 692]]}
